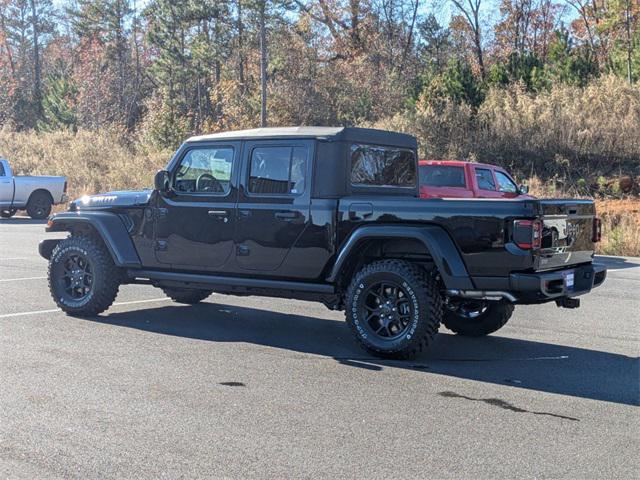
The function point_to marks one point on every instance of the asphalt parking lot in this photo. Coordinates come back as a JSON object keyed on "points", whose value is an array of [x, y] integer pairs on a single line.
{"points": [[268, 388]]}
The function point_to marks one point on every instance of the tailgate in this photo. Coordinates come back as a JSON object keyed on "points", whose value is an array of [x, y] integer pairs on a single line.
{"points": [[567, 233]]}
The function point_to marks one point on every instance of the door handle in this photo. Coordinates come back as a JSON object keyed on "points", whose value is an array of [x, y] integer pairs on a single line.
{"points": [[286, 215], [217, 213]]}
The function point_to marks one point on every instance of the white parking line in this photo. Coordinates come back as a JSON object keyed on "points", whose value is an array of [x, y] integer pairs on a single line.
{"points": [[14, 258], [20, 279], [54, 310]]}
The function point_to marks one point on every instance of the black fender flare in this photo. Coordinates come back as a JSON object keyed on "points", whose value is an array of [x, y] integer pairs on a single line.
{"points": [[437, 241], [108, 225]]}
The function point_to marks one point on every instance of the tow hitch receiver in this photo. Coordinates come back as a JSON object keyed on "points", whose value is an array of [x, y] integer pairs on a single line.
{"points": [[566, 302]]}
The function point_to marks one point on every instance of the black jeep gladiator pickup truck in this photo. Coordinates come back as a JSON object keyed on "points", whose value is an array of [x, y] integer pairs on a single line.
{"points": [[325, 214]]}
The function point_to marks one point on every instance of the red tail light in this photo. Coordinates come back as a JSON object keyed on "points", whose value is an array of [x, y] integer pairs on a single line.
{"points": [[527, 234], [597, 230]]}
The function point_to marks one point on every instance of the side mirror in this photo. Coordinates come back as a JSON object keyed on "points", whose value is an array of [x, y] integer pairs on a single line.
{"points": [[162, 181], [523, 189]]}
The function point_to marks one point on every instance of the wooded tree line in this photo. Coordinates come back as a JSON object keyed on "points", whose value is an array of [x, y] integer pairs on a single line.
{"points": [[166, 69]]}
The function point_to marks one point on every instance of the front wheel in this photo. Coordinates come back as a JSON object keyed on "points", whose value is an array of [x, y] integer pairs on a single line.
{"points": [[476, 318], [8, 212], [83, 279], [394, 308]]}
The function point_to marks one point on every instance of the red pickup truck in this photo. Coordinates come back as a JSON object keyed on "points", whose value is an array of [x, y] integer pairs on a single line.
{"points": [[458, 179]]}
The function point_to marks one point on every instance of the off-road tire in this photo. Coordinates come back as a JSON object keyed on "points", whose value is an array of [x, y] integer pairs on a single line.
{"points": [[189, 296], [7, 213], [39, 205], [106, 276], [424, 297], [493, 319]]}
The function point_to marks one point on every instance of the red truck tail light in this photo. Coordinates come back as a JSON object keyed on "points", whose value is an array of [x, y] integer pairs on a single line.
{"points": [[597, 230], [527, 234]]}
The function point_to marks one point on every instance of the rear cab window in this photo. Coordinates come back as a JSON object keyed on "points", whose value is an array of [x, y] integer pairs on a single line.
{"points": [[442, 176], [378, 166]]}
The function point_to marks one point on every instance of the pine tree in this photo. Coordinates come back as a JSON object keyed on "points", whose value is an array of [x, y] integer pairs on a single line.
{"points": [[109, 23], [27, 27], [461, 85], [58, 104], [571, 64]]}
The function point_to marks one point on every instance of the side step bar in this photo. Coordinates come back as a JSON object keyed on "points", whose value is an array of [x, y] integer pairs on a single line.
{"points": [[227, 283]]}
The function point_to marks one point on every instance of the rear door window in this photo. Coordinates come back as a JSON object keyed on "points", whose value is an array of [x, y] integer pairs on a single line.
{"points": [[278, 170], [484, 177], [373, 165], [442, 176], [505, 184]]}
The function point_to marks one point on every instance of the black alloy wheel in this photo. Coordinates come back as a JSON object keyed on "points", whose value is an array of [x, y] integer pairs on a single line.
{"points": [[83, 279], [77, 277], [393, 308], [387, 310]]}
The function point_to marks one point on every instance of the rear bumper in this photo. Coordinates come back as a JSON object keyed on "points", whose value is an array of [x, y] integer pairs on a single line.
{"points": [[544, 287], [571, 282]]}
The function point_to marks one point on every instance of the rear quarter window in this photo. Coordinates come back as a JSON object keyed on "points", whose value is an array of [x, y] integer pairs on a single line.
{"points": [[442, 176], [373, 165]]}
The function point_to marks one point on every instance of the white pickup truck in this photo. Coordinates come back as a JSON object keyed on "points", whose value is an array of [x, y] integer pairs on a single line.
{"points": [[36, 195]]}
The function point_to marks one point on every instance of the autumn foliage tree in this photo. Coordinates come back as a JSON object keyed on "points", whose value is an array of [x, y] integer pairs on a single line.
{"points": [[158, 70]]}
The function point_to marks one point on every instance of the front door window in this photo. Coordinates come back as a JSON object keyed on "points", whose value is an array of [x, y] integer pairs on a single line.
{"points": [[205, 170], [505, 184]]}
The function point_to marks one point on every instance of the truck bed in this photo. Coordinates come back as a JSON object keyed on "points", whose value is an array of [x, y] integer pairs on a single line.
{"points": [[482, 228]]}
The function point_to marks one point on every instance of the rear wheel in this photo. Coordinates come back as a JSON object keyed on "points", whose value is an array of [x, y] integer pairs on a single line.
{"points": [[476, 318], [8, 212], [394, 308], [39, 205], [189, 296], [83, 279]]}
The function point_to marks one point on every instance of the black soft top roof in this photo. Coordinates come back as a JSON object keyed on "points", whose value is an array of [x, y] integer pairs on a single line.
{"points": [[330, 134], [333, 152]]}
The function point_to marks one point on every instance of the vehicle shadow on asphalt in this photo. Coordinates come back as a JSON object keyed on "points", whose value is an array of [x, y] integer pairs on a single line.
{"points": [[494, 359], [21, 221], [616, 263]]}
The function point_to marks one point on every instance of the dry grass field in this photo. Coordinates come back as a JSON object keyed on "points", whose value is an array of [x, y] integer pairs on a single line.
{"points": [[93, 162], [620, 227]]}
